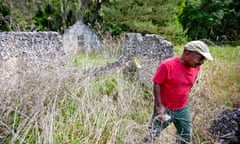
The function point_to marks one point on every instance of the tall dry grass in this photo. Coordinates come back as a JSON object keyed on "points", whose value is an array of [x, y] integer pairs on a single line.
{"points": [[63, 105]]}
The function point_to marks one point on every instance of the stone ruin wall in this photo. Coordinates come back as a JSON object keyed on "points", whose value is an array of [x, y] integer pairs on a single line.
{"points": [[150, 49], [22, 50], [39, 48]]}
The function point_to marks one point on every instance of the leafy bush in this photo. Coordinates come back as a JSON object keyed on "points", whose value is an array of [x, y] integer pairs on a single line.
{"points": [[214, 20], [4, 17]]}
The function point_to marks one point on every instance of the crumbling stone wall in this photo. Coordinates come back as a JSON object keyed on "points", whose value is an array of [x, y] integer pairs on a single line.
{"points": [[21, 51], [150, 49], [147, 47], [41, 47], [37, 46]]}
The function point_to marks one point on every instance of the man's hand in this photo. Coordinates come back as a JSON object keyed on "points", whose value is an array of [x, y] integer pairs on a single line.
{"points": [[160, 112], [159, 106]]}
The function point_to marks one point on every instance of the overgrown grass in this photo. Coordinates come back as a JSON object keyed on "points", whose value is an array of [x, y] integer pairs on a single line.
{"points": [[61, 105], [88, 59]]}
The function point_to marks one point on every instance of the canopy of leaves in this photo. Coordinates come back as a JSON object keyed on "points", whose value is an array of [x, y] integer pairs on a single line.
{"points": [[4, 19], [39, 15], [137, 16], [217, 20]]}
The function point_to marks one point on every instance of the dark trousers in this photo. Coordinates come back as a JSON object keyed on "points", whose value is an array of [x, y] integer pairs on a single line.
{"points": [[180, 118]]}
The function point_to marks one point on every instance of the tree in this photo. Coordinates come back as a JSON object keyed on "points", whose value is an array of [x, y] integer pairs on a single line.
{"points": [[39, 15], [137, 16], [4, 17], [151, 16], [114, 16], [48, 18], [211, 19]]}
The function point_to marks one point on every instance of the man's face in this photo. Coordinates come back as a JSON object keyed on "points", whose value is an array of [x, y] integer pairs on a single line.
{"points": [[194, 59]]}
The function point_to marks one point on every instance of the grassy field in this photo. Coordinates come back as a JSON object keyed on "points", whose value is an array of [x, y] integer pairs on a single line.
{"points": [[64, 106]]}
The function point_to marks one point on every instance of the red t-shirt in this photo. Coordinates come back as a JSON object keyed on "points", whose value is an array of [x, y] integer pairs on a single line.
{"points": [[175, 80]]}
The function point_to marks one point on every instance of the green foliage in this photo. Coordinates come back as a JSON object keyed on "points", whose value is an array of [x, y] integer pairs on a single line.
{"points": [[147, 91], [57, 15], [215, 20], [90, 11], [106, 86], [86, 59], [174, 33], [200, 19], [138, 16], [230, 23], [20, 16], [114, 16], [69, 110], [4, 17], [48, 19], [40, 15], [32, 136]]}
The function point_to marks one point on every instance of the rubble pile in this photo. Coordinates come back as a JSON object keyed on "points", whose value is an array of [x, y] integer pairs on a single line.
{"points": [[226, 127]]}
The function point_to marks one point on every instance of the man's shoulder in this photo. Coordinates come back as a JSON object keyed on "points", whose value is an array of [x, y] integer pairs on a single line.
{"points": [[170, 60]]}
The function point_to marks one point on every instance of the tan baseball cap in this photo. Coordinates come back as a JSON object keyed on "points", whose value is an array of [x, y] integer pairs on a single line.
{"points": [[200, 47]]}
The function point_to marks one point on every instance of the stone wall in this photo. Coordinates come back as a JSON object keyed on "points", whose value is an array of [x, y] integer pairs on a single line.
{"points": [[149, 49], [37, 46], [28, 51]]}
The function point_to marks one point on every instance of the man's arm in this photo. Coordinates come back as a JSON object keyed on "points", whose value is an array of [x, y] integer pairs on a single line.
{"points": [[157, 95]]}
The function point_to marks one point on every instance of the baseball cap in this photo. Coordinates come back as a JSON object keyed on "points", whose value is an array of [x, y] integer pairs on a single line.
{"points": [[200, 47]]}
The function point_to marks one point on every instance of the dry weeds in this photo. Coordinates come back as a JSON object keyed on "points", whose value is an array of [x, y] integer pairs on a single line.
{"points": [[53, 104]]}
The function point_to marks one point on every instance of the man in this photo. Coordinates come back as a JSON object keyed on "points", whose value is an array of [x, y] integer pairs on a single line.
{"points": [[171, 86]]}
